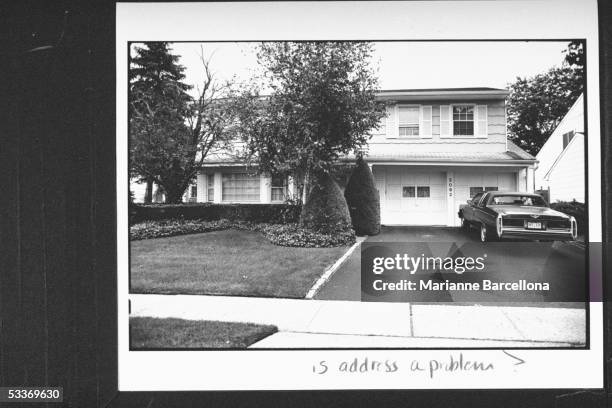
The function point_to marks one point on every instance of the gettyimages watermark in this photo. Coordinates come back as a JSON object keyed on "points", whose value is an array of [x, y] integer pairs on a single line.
{"points": [[474, 272]]}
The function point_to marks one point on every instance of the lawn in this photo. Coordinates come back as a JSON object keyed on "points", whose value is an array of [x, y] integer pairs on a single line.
{"points": [[149, 332], [228, 262]]}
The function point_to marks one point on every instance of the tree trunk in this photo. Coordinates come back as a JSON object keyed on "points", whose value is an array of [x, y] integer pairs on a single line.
{"points": [[148, 198], [305, 189], [174, 196]]}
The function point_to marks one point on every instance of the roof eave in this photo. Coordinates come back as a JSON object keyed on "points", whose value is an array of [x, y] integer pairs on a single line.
{"points": [[379, 160], [442, 95]]}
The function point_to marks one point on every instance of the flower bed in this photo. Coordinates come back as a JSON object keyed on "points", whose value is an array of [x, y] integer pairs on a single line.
{"points": [[290, 235]]}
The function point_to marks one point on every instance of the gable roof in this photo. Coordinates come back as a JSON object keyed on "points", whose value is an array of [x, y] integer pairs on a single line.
{"points": [[517, 152]]}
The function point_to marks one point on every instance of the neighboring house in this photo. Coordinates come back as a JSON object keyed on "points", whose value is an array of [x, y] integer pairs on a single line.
{"points": [[561, 167], [435, 149]]}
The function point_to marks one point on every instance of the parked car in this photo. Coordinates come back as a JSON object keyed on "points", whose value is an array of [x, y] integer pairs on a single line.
{"points": [[501, 215]]}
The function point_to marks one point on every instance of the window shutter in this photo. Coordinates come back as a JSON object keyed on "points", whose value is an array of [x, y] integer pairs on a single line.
{"points": [[480, 120], [391, 127], [445, 121], [425, 125]]}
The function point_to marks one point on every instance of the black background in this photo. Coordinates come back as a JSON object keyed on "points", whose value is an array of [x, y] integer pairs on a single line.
{"points": [[58, 315]]}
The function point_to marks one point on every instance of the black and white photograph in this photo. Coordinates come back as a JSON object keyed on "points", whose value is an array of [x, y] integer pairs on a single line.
{"points": [[357, 201], [300, 203], [260, 171]]}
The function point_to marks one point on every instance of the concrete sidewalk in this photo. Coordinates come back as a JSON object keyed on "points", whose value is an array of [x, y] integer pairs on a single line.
{"points": [[350, 324]]}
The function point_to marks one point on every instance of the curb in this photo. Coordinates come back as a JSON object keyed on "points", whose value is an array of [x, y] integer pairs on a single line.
{"points": [[331, 270]]}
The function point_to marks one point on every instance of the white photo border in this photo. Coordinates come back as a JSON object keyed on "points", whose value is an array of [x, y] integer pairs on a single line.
{"points": [[368, 20]]}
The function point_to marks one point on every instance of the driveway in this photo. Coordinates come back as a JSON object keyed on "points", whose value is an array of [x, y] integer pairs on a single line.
{"points": [[561, 264]]}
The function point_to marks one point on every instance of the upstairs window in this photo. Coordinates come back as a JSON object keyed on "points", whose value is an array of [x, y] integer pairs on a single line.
{"points": [[408, 121], [463, 120]]}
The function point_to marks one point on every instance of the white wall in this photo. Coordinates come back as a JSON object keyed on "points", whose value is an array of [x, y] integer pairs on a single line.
{"points": [[573, 120], [139, 190], [566, 180]]}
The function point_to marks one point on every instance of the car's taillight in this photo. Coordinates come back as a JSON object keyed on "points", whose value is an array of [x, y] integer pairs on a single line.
{"points": [[499, 225], [574, 227]]}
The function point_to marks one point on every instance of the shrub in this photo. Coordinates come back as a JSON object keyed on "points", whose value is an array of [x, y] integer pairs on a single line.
{"points": [[272, 213], [325, 210], [341, 172], [293, 236], [363, 200], [576, 210]]}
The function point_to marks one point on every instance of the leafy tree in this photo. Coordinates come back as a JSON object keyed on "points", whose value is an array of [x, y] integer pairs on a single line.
{"points": [[172, 133], [322, 105], [574, 54], [536, 105], [363, 200]]}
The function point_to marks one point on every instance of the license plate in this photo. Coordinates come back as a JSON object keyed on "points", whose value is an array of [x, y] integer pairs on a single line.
{"points": [[534, 225]]}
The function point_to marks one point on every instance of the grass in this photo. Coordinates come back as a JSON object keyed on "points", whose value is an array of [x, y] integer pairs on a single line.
{"points": [[228, 262], [153, 333]]}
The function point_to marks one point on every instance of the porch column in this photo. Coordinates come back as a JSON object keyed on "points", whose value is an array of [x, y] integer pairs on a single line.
{"points": [[201, 186], [522, 180], [217, 186], [451, 219], [291, 187], [530, 180]]}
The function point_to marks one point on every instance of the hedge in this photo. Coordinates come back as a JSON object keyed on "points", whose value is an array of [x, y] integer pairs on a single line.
{"points": [[279, 234], [270, 213], [575, 209]]}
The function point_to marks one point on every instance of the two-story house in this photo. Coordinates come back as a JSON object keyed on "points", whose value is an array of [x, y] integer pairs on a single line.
{"points": [[435, 149]]}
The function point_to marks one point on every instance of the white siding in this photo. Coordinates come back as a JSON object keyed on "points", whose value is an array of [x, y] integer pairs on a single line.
{"points": [[548, 154], [435, 133], [566, 180]]}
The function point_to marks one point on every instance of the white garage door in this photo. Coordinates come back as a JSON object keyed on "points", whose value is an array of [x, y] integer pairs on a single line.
{"points": [[467, 184], [412, 197]]}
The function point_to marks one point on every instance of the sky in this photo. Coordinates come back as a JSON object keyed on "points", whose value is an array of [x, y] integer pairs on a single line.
{"points": [[402, 65]]}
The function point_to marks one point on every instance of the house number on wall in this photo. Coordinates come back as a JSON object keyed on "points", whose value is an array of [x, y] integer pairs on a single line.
{"points": [[450, 186]]}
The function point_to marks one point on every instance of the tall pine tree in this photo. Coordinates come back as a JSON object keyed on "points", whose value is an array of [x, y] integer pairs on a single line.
{"points": [[156, 88]]}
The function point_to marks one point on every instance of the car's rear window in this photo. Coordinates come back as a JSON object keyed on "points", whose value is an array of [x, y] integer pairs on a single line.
{"points": [[523, 200]]}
